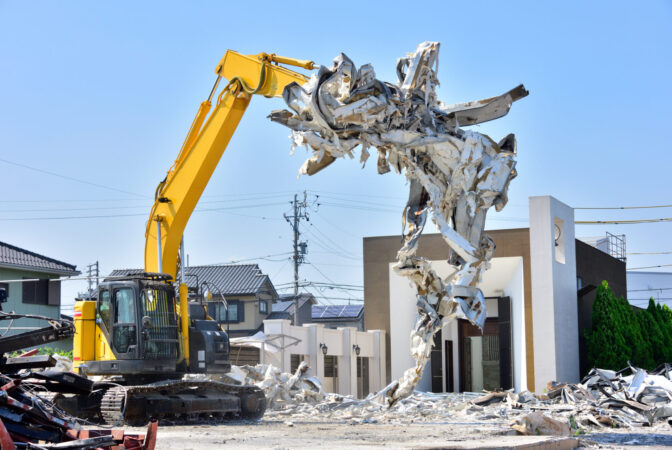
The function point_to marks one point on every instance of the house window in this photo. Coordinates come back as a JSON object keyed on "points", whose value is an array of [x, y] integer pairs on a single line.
{"points": [[294, 361], [331, 366], [236, 312], [263, 307], [5, 286], [36, 292]]}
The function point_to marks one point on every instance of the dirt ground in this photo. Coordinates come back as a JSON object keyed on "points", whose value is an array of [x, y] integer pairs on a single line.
{"points": [[277, 434]]}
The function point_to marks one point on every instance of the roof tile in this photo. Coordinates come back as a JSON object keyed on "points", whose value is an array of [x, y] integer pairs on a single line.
{"points": [[11, 256]]}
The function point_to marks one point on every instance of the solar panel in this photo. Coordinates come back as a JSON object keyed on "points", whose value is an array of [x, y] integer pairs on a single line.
{"points": [[351, 311]]}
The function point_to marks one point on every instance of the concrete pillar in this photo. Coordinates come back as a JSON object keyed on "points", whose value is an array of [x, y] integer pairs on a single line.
{"points": [[377, 363], [286, 352], [275, 327], [554, 301], [315, 337], [347, 363]]}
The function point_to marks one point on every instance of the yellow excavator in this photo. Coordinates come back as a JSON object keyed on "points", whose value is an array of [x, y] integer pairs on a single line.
{"points": [[137, 333]]}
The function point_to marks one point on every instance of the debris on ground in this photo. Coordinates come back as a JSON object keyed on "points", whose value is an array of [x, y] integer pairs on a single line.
{"points": [[29, 417], [455, 174], [536, 423], [603, 400], [281, 388]]}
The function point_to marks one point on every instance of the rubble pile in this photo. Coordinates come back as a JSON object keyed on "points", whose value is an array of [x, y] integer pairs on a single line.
{"points": [[603, 400], [456, 175], [282, 389], [29, 417]]}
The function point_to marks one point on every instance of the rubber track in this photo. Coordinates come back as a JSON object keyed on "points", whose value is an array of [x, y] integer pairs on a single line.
{"points": [[113, 399]]}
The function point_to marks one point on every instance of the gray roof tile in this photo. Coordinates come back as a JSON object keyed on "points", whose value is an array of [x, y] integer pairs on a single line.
{"points": [[286, 302], [231, 279], [15, 257]]}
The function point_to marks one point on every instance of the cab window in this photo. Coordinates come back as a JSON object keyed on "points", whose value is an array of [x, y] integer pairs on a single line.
{"points": [[124, 311], [104, 308], [124, 332]]}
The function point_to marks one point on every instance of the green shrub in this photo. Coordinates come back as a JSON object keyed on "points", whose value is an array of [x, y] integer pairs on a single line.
{"points": [[620, 334]]}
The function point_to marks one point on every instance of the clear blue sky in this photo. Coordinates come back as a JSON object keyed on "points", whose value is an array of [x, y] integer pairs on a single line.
{"points": [[104, 92]]}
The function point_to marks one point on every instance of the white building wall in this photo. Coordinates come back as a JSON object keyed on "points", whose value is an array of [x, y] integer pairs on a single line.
{"points": [[284, 339], [554, 301], [505, 277]]}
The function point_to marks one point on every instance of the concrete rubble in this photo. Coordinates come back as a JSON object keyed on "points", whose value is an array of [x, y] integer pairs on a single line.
{"points": [[455, 174], [604, 400]]}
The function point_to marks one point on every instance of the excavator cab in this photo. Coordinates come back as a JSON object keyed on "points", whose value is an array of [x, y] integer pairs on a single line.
{"points": [[136, 327], [138, 332]]}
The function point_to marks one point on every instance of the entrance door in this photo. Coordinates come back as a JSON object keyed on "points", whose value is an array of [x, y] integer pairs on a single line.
{"points": [[479, 356], [486, 358]]}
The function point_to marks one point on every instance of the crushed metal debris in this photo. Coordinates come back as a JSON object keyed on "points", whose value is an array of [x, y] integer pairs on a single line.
{"points": [[604, 400], [30, 418], [456, 174]]}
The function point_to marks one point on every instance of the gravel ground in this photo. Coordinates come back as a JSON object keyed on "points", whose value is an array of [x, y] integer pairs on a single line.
{"points": [[276, 434]]}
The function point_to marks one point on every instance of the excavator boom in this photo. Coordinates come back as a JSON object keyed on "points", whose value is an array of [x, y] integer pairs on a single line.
{"points": [[178, 194]]}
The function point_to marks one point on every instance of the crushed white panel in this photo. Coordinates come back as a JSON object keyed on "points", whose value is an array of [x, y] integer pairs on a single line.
{"points": [[455, 174]]}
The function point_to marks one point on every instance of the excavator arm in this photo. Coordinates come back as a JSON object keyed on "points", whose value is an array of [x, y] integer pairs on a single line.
{"points": [[177, 195]]}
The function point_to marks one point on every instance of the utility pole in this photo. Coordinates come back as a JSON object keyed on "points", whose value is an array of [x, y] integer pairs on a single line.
{"points": [[92, 271], [300, 212]]}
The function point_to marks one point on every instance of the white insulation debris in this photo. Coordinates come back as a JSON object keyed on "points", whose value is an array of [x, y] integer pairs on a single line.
{"points": [[455, 174]]}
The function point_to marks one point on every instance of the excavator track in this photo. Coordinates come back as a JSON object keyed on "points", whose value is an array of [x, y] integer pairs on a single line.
{"points": [[181, 401]]}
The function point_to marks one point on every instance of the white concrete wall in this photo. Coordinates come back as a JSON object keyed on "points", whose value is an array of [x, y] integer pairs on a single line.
{"points": [[515, 290], [307, 341], [554, 308], [505, 277]]}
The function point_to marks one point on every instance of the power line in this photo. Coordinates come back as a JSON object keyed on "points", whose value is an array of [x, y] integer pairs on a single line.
{"points": [[261, 195], [236, 261], [621, 222], [651, 289], [650, 253], [66, 177], [351, 194], [328, 248], [628, 207], [222, 209], [649, 267], [319, 295], [335, 244]]}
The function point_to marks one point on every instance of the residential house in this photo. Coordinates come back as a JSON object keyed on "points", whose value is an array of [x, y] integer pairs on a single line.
{"points": [[284, 308], [39, 294]]}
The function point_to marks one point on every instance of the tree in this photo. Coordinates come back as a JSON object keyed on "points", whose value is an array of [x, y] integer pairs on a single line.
{"points": [[605, 341], [620, 334]]}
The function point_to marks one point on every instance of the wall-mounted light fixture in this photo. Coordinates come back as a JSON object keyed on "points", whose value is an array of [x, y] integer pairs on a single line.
{"points": [[356, 349], [557, 232], [324, 349]]}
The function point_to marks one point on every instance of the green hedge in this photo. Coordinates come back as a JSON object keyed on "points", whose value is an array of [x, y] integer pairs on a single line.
{"points": [[620, 334]]}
